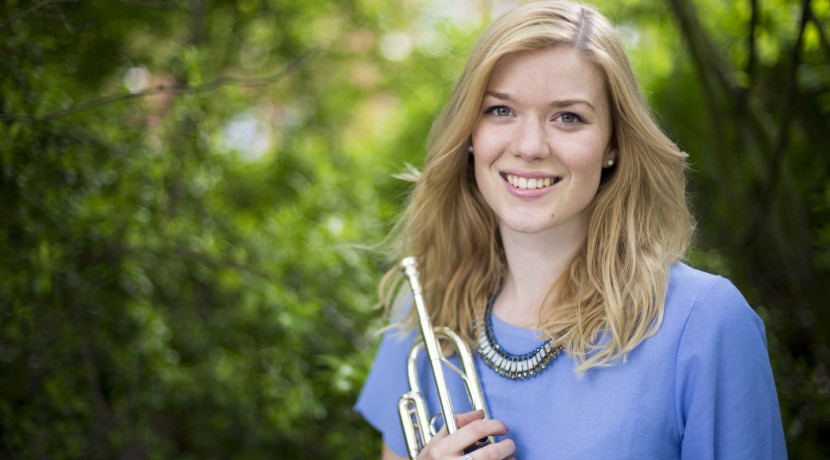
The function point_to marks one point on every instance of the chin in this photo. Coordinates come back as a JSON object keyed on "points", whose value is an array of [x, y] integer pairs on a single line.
{"points": [[525, 227]]}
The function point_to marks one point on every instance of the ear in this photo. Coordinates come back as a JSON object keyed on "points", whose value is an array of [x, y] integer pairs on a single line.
{"points": [[610, 158]]}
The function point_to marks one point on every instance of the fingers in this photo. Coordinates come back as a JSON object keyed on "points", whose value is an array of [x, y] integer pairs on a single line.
{"points": [[461, 420], [497, 451], [467, 417], [467, 435], [472, 427]]}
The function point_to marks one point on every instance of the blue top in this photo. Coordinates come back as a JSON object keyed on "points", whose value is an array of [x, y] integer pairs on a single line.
{"points": [[700, 388]]}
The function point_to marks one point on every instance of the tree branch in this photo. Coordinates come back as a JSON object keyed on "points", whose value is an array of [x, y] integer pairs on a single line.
{"points": [[151, 3], [65, 20], [753, 22], [791, 94], [714, 82], [712, 65], [33, 9], [174, 88], [702, 48], [789, 257], [796, 257], [825, 44]]}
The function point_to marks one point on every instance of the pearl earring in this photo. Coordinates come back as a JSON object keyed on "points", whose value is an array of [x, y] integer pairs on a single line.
{"points": [[470, 148], [610, 163]]}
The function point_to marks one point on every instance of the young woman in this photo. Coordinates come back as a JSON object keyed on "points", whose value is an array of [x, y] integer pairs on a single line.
{"points": [[551, 216]]}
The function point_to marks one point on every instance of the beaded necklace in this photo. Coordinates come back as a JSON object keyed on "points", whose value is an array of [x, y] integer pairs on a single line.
{"points": [[506, 364]]}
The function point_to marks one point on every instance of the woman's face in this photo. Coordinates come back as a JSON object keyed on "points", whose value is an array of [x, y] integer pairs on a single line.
{"points": [[542, 140]]}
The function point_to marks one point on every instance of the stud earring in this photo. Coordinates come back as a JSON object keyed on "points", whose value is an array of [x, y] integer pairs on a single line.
{"points": [[610, 163], [470, 148]]}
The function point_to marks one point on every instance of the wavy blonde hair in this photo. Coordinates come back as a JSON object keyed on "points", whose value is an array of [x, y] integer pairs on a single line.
{"points": [[639, 225]]}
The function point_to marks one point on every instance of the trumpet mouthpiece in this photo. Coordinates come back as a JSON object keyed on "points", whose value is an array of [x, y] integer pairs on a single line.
{"points": [[409, 266]]}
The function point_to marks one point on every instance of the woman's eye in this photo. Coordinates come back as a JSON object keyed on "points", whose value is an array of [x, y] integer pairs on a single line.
{"points": [[569, 118], [499, 111]]}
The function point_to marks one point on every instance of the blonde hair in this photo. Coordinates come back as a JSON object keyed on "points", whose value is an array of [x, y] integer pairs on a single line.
{"points": [[639, 223]]}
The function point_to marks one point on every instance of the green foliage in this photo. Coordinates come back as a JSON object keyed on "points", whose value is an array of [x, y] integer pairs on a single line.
{"points": [[179, 272]]}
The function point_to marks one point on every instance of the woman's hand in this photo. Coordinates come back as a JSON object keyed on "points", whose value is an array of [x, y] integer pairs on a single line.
{"points": [[472, 427]]}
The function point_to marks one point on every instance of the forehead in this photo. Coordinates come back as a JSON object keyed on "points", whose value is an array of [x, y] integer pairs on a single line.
{"points": [[549, 74]]}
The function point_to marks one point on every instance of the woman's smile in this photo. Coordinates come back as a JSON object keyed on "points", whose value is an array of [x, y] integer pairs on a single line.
{"points": [[525, 182]]}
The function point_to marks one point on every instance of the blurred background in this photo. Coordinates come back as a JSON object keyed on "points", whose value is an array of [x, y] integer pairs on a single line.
{"points": [[186, 187]]}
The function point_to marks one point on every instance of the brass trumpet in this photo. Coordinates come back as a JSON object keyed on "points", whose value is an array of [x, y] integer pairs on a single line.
{"points": [[418, 429]]}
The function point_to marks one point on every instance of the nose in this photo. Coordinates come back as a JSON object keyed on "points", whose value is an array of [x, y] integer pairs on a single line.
{"points": [[530, 142]]}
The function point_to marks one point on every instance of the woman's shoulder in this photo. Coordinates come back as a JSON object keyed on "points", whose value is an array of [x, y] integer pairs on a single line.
{"points": [[725, 395], [684, 278], [712, 299]]}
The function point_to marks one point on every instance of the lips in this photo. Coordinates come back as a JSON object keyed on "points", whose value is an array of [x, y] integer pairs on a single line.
{"points": [[530, 183]]}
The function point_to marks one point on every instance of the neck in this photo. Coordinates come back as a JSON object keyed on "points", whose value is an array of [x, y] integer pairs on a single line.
{"points": [[534, 263]]}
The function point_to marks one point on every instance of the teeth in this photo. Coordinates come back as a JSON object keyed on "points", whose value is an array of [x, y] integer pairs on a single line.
{"points": [[533, 183]]}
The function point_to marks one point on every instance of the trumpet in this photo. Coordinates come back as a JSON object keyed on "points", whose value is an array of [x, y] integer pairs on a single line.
{"points": [[418, 429]]}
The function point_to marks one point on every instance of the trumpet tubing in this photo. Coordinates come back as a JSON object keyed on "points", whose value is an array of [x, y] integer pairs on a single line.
{"points": [[417, 426]]}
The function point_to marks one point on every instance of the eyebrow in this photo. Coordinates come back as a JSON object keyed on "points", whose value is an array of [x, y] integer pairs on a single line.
{"points": [[557, 104]]}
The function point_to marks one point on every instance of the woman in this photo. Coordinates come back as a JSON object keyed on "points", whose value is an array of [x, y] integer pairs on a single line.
{"points": [[551, 209]]}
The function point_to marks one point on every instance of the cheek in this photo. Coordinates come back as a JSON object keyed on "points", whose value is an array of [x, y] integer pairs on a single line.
{"points": [[480, 169], [584, 157], [479, 140], [585, 167], [483, 175], [485, 152]]}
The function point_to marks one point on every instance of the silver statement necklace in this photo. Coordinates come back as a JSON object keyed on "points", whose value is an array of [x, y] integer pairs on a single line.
{"points": [[506, 364]]}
